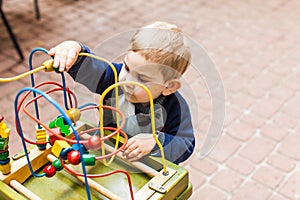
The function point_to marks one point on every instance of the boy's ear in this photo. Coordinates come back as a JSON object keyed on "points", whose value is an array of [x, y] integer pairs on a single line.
{"points": [[172, 86]]}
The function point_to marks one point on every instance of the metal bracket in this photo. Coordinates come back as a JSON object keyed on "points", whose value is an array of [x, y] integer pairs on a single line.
{"points": [[157, 188]]}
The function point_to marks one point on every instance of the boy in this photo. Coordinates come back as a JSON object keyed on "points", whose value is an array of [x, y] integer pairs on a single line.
{"points": [[157, 58]]}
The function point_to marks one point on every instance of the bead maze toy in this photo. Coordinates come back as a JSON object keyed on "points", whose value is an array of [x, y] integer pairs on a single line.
{"points": [[70, 152]]}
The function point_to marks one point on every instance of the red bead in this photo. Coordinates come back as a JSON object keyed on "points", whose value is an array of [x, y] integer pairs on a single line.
{"points": [[74, 157], [50, 171], [94, 142]]}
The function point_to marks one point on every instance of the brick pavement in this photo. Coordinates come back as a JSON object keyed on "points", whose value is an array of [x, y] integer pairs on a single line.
{"points": [[254, 47]]}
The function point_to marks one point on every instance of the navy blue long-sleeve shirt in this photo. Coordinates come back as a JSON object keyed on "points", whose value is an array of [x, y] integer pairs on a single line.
{"points": [[176, 134]]}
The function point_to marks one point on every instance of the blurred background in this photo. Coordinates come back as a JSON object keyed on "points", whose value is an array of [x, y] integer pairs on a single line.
{"points": [[253, 45]]}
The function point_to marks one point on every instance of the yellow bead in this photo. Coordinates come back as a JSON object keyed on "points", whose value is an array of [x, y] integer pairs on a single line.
{"points": [[4, 131], [40, 133], [58, 146], [5, 169], [74, 114]]}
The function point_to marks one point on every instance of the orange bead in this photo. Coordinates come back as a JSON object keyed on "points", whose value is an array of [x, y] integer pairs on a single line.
{"points": [[94, 143]]}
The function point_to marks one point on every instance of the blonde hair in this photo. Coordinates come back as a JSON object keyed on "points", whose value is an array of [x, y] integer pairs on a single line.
{"points": [[163, 43]]}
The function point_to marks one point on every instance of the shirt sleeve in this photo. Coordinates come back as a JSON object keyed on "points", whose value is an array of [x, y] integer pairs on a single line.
{"points": [[177, 136]]}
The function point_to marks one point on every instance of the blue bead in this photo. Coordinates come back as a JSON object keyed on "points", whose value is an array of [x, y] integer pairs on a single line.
{"points": [[77, 148], [64, 153], [4, 162]]}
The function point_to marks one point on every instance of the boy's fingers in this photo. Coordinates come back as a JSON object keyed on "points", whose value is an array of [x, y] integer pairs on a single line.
{"points": [[70, 59], [56, 62], [134, 155], [129, 143], [129, 149], [51, 51], [63, 59]]}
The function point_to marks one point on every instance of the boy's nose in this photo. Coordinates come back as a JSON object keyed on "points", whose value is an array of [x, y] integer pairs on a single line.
{"points": [[129, 87]]}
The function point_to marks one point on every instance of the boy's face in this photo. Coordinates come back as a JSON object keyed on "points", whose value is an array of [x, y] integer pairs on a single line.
{"points": [[136, 68]]}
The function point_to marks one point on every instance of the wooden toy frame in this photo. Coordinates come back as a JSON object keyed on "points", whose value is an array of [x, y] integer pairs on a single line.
{"points": [[174, 185]]}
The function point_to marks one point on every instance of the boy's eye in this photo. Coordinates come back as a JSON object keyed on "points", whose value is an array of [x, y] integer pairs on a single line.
{"points": [[126, 68], [141, 79]]}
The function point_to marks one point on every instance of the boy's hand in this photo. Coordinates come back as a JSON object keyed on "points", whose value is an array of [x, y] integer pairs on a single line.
{"points": [[65, 54], [139, 146]]}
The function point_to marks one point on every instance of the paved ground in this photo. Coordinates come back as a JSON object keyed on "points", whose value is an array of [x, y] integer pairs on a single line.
{"points": [[254, 47]]}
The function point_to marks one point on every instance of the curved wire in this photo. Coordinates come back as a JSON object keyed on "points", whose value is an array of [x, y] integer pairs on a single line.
{"points": [[101, 175], [18, 124], [33, 82], [32, 79], [116, 96], [107, 138], [15, 78], [86, 105], [151, 114]]}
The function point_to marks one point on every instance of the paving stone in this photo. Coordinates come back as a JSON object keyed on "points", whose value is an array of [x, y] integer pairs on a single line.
{"points": [[291, 188], [205, 166], [282, 162], [224, 149], [257, 149], [251, 190], [274, 131], [241, 130], [289, 146], [227, 180], [253, 119], [269, 177], [241, 165], [208, 193]]}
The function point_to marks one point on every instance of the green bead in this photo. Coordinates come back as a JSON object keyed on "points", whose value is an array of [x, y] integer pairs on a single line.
{"points": [[57, 164], [4, 155], [89, 159], [3, 143]]}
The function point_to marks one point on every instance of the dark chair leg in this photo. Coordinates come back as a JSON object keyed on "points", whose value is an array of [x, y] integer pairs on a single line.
{"points": [[11, 34], [37, 10]]}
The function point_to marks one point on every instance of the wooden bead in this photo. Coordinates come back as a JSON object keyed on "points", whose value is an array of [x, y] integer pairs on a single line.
{"points": [[58, 146], [94, 142], [74, 114], [4, 130], [64, 153], [4, 162], [89, 159], [78, 147], [57, 164], [41, 147], [5, 169], [3, 143], [40, 134], [49, 171], [74, 157], [60, 123], [4, 155]]}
